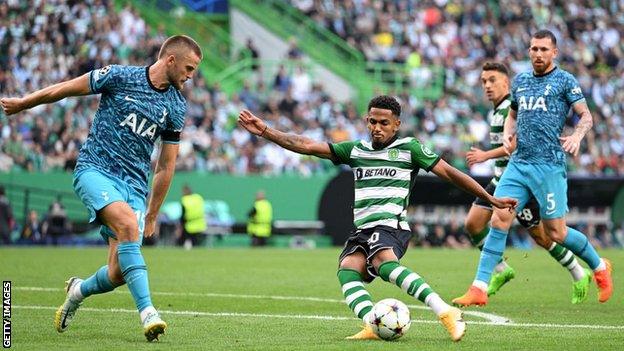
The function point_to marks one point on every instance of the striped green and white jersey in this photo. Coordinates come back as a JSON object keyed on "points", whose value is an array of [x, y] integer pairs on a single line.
{"points": [[497, 118], [383, 178]]}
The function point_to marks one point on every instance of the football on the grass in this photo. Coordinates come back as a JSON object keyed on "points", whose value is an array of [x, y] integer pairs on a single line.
{"points": [[390, 319]]}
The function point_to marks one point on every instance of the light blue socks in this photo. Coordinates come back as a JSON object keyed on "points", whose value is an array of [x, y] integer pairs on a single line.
{"points": [[491, 254], [134, 272], [577, 242], [98, 283]]}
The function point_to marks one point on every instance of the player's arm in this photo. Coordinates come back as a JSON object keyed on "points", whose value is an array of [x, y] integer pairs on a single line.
{"points": [[509, 132], [75, 87], [165, 168], [452, 175], [572, 143], [292, 142], [476, 155]]}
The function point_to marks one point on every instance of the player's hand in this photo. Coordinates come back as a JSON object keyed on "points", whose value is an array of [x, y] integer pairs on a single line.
{"points": [[12, 105], [509, 143], [252, 123], [504, 202], [475, 155], [571, 144], [150, 226]]}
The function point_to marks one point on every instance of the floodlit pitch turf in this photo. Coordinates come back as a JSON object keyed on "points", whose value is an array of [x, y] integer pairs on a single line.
{"points": [[278, 299]]}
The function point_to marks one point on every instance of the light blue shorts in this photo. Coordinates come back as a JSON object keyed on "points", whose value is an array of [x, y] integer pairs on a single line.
{"points": [[97, 190], [547, 183]]}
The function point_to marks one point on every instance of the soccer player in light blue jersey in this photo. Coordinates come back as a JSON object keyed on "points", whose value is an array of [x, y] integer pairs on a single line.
{"points": [[138, 106], [495, 83], [540, 102]]}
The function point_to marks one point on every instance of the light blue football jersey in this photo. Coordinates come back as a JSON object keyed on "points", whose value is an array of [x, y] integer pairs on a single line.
{"points": [[542, 104], [131, 116]]}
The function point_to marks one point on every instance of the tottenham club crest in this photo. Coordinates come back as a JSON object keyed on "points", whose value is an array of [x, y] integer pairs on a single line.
{"points": [[393, 154]]}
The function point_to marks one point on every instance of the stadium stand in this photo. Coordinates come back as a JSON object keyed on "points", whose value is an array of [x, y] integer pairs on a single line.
{"points": [[45, 43]]}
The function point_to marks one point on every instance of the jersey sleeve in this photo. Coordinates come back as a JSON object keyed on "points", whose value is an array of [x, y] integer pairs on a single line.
{"points": [[342, 152], [105, 78], [171, 135], [422, 156], [512, 94], [573, 91]]}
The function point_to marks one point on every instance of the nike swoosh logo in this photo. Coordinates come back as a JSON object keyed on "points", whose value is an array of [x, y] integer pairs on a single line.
{"points": [[128, 98], [520, 89], [63, 325], [548, 213]]}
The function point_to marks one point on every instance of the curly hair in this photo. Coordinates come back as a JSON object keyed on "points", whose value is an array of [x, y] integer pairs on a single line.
{"points": [[387, 103]]}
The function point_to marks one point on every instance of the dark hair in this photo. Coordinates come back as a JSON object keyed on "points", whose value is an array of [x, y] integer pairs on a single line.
{"points": [[495, 66], [545, 33], [178, 42], [387, 103]]}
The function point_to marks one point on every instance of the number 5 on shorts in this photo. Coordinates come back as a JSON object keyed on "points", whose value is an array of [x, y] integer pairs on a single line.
{"points": [[550, 199]]}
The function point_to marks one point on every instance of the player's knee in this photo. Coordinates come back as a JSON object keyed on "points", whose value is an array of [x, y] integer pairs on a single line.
{"points": [[540, 237], [355, 262], [501, 219], [127, 229], [472, 227], [382, 257], [557, 234]]}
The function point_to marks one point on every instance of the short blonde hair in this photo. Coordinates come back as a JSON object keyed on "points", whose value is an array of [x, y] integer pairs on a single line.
{"points": [[178, 43]]}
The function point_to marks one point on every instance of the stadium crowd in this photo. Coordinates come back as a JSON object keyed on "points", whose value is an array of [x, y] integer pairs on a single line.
{"points": [[460, 35], [45, 42]]}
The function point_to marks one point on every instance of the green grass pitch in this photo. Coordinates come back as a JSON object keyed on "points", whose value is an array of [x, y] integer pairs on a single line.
{"points": [[278, 299]]}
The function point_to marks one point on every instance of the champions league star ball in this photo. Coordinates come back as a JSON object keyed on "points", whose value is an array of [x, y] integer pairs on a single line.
{"points": [[390, 319]]}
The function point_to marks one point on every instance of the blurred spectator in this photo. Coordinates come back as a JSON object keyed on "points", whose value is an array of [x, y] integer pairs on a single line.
{"points": [[31, 233], [260, 220], [294, 53], [193, 218], [56, 223], [6, 218], [251, 52]]}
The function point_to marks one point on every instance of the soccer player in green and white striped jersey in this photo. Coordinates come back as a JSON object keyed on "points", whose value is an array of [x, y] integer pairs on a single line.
{"points": [[495, 84], [384, 170]]}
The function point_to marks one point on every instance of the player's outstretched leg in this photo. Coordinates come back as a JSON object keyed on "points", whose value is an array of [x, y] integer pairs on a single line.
{"points": [[490, 256], [450, 317], [477, 228], [581, 277], [77, 290], [577, 242], [134, 271], [358, 300]]}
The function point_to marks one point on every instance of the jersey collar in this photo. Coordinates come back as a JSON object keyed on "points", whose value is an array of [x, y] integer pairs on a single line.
{"points": [[150, 82], [545, 74], [502, 100]]}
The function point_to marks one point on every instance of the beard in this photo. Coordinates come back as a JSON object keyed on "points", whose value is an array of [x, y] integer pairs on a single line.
{"points": [[378, 145]]}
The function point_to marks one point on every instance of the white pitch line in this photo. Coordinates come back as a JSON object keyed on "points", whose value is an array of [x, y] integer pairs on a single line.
{"points": [[331, 318], [490, 317]]}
